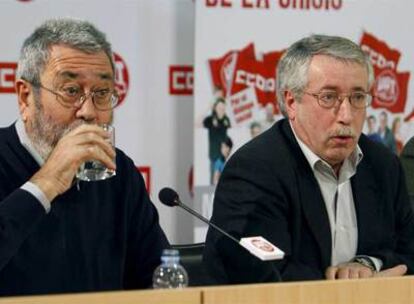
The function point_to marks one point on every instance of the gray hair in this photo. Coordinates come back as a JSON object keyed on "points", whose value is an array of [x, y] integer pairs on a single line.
{"points": [[78, 34], [292, 69]]}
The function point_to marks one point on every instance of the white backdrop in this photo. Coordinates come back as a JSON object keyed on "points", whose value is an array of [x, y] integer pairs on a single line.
{"points": [[159, 40], [153, 126], [233, 28]]}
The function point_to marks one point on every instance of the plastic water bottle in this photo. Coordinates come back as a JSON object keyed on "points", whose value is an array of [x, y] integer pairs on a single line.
{"points": [[170, 274]]}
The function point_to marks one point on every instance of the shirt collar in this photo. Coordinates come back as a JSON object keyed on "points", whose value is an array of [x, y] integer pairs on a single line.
{"points": [[354, 159], [27, 143]]}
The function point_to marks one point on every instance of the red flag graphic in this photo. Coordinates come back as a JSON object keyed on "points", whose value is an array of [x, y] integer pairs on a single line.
{"points": [[239, 70], [390, 87]]}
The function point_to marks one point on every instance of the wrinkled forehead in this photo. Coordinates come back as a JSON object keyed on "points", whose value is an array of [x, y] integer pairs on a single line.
{"points": [[66, 63], [73, 75], [335, 73]]}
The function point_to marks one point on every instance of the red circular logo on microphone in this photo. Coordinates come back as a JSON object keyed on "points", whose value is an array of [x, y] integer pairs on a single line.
{"points": [[121, 77]]}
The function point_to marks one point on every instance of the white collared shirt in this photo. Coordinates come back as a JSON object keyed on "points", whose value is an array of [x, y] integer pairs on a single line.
{"points": [[29, 186], [339, 202]]}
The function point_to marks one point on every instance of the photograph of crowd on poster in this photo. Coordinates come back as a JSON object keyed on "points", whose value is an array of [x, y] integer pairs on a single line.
{"points": [[236, 71]]}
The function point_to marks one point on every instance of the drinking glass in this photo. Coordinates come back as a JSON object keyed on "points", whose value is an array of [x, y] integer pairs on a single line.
{"points": [[94, 170]]}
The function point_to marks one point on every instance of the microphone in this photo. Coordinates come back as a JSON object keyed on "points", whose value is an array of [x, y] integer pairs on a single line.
{"points": [[170, 198], [256, 245]]}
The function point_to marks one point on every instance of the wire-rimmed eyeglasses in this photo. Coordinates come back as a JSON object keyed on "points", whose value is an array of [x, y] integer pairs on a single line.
{"points": [[73, 97], [330, 99]]}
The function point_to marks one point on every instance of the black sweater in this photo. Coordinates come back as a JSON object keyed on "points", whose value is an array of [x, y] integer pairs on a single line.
{"points": [[105, 236]]}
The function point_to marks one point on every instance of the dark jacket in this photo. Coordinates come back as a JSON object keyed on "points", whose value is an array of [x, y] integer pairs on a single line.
{"points": [[407, 160], [268, 188]]}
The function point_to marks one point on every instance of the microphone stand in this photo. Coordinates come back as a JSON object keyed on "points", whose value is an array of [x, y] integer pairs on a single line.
{"points": [[202, 218]]}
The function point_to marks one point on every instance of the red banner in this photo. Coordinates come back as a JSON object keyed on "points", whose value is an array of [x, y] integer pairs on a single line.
{"points": [[238, 70], [390, 87]]}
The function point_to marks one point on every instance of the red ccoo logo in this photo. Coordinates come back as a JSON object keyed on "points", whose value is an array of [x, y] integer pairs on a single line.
{"points": [[391, 85], [146, 174], [386, 88], [121, 77], [7, 76], [181, 80]]}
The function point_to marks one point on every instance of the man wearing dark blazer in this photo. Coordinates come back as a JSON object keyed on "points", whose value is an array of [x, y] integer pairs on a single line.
{"points": [[407, 160], [313, 185]]}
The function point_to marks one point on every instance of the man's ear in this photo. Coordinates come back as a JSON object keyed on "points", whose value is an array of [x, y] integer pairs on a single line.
{"points": [[24, 93], [290, 104]]}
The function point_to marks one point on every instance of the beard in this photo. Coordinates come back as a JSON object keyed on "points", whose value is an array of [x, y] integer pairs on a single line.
{"points": [[45, 133]]}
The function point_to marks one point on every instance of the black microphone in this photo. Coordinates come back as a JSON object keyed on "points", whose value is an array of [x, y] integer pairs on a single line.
{"points": [[170, 198], [257, 246]]}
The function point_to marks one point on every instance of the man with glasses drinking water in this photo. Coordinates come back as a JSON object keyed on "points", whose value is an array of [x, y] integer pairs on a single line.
{"points": [[313, 185], [56, 236]]}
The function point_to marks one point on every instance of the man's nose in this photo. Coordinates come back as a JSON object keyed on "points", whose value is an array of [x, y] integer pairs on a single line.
{"points": [[87, 110], [345, 111]]}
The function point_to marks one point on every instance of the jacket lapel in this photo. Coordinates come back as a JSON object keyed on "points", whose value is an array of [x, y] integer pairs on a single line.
{"points": [[314, 210], [313, 205], [365, 192]]}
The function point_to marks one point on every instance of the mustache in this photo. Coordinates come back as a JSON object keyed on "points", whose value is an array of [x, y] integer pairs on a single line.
{"points": [[68, 128], [343, 132]]}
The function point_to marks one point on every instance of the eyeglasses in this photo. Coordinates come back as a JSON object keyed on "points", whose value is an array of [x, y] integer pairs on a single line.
{"points": [[73, 97], [330, 99]]}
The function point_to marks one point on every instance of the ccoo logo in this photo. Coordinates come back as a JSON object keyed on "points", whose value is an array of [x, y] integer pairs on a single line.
{"points": [[391, 85], [7, 76], [121, 77], [146, 174], [181, 80], [386, 88]]}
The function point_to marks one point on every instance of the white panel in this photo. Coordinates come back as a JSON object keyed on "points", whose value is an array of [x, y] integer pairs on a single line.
{"points": [[153, 127]]}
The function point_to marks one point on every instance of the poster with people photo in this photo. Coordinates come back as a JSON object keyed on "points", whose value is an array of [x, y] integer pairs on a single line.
{"points": [[235, 68]]}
